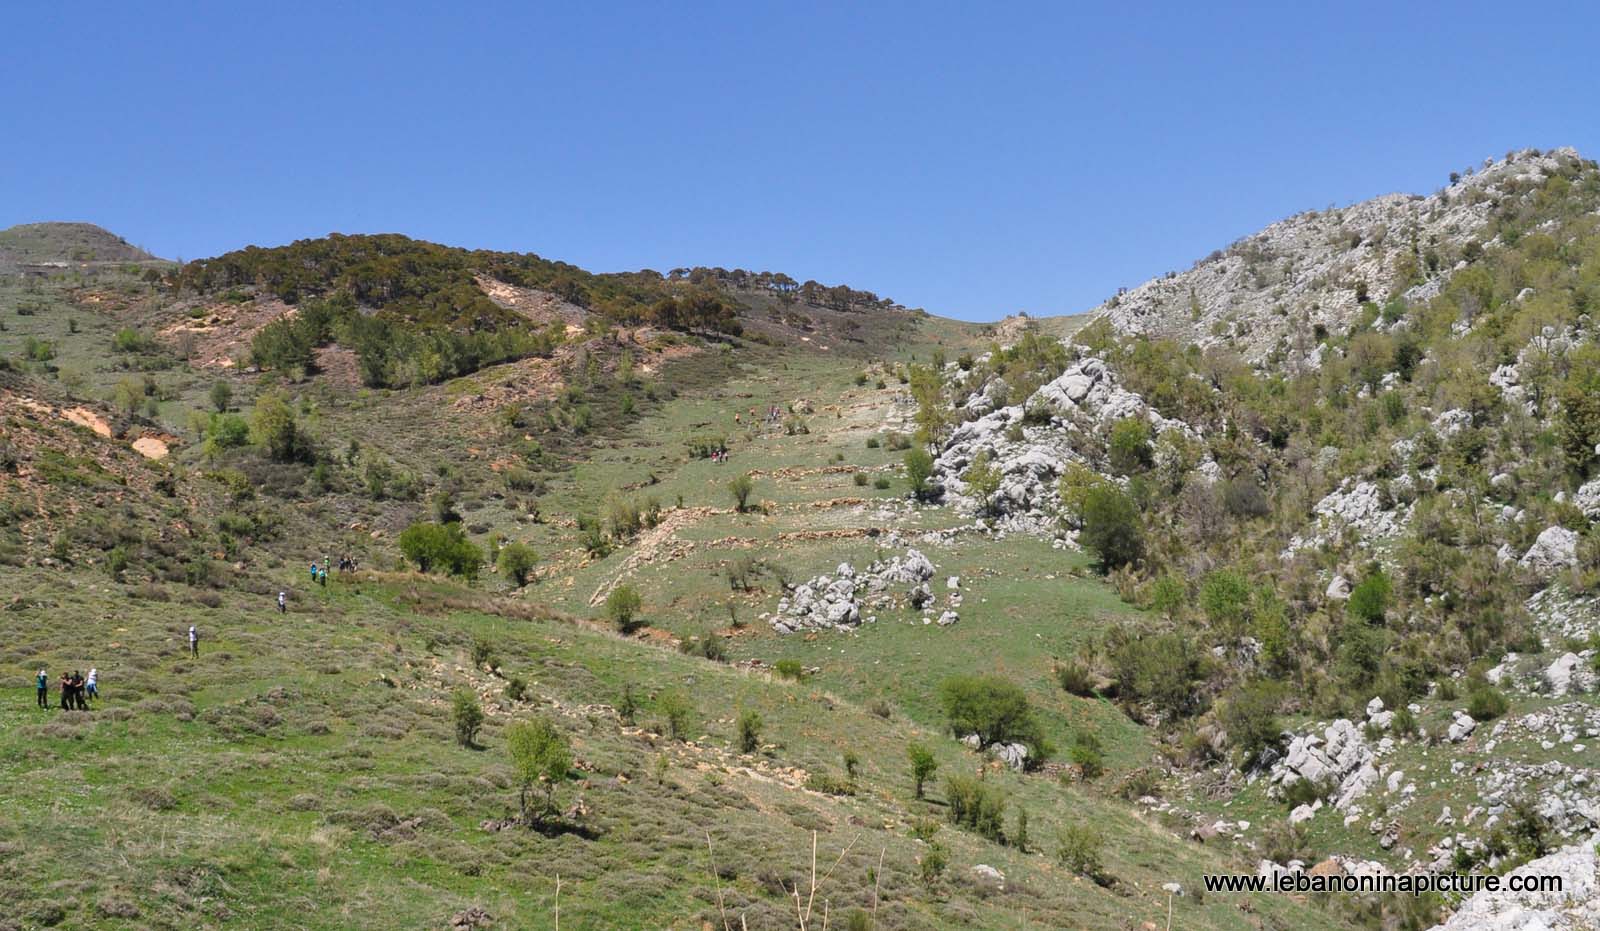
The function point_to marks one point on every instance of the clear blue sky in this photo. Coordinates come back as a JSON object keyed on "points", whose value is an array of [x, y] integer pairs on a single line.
{"points": [[975, 159]]}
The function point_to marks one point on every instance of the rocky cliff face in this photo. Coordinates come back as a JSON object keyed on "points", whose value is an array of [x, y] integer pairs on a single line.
{"points": [[1270, 291]]}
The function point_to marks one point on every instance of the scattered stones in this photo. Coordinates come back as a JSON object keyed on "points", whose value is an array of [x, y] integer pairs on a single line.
{"points": [[1461, 726], [1575, 906], [835, 602]]}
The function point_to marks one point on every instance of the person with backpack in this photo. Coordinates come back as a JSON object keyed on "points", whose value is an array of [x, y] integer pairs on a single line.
{"points": [[42, 681]]}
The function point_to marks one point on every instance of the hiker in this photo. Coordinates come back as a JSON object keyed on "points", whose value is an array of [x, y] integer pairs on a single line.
{"points": [[313, 570], [78, 690], [43, 683], [93, 684], [283, 602], [66, 691], [322, 577], [194, 641]]}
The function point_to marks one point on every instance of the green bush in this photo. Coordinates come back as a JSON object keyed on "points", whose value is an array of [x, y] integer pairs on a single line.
{"points": [[741, 487], [441, 546], [1087, 753], [467, 715], [540, 757], [1078, 849], [675, 708], [919, 468], [1487, 703], [622, 607], [749, 732], [1111, 528], [1129, 448], [976, 805], [994, 709], [789, 669], [923, 766], [516, 562]]}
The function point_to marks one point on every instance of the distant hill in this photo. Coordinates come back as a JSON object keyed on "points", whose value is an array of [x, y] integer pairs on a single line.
{"points": [[66, 242]]}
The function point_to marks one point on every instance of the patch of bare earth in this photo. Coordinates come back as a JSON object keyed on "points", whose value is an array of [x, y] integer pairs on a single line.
{"points": [[220, 332], [538, 306]]}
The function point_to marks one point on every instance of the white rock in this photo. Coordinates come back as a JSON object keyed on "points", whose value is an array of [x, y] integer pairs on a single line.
{"points": [[1555, 549]]}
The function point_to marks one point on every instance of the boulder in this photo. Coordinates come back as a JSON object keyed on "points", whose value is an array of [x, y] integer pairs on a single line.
{"points": [[1555, 549]]}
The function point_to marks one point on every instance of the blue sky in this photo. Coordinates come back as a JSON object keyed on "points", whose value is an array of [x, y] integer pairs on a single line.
{"points": [[974, 159]]}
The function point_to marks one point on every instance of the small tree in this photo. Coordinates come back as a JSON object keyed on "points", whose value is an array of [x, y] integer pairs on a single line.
{"points": [[919, 468], [675, 708], [539, 756], [1129, 449], [741, 488], [272, 426], [221, 396], [749, 732], [517, 561], [994, 709], [923, 765], [1111, 527], [983, 480], [468, 716], [628, 707], [622, 607]]}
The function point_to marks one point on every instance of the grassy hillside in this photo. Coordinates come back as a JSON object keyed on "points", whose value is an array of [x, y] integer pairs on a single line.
{"points": [[304, 770]]}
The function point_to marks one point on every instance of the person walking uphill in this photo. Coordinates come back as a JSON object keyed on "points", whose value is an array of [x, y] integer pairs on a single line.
{"points": [[194, 641], [42, 681]]}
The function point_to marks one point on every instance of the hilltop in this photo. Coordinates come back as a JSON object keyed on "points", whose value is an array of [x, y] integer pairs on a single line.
{"points": [[1269, 293], [33, 243]]}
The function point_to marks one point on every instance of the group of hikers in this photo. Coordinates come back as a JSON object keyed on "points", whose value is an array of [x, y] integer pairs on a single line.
{"points": [[319, 573], [75, 689]]}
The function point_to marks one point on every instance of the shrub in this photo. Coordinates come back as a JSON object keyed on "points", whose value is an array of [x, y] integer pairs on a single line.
{"points": [[517, 561], [1370, 599], [1244, 498], [516, 688], [467, 714], [128, 339], [923, 766], [221, 396], [1078, 849], [852, 765], [622, 607], [982, 479], [881, 483], [483, 653], [860, 479], [976, 805], [1486, 703], [1076, 678], [1161, 669], [789, 669], [675, 708], [829, 784], [627, 706], [933, 863], [1129, 448], [994, 709], [1087, 754], [539, 757], [919, 468], [749, 732], [441, 546], [1225, 599], [1111, 528], [1250, 718], [873, 442]]}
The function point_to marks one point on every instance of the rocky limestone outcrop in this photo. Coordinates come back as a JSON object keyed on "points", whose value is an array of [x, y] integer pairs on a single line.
{"points": [[1338, 759], [1576, 906], [835, 602], [1555, 549], [1053, 424], [1360, 510], [1321, 264]]}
